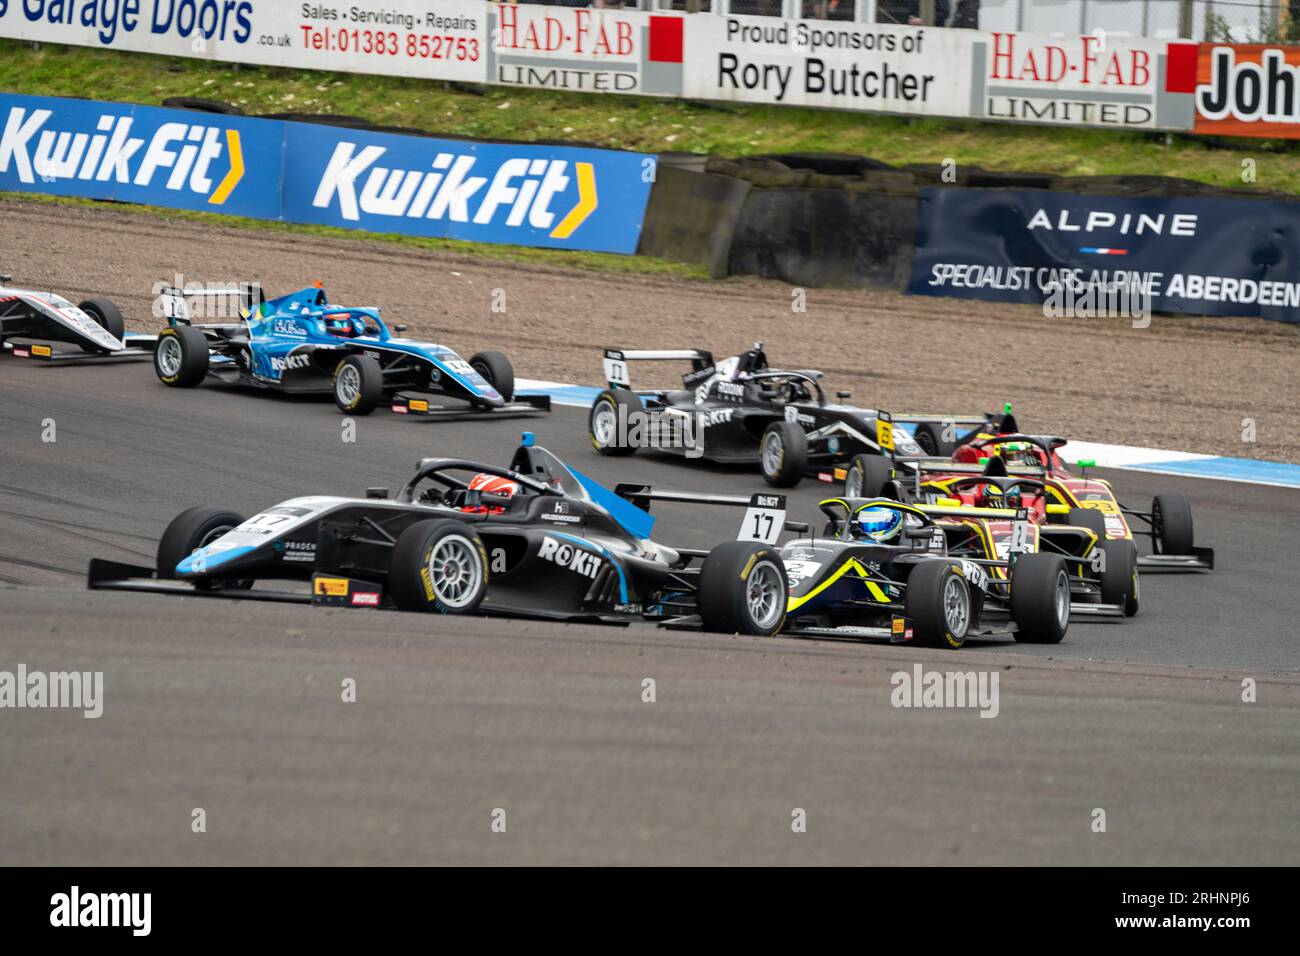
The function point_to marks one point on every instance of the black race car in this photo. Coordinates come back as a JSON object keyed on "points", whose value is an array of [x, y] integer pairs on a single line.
{"points": [[918, 587], [29, 320], [740, 410], [536, 539]]}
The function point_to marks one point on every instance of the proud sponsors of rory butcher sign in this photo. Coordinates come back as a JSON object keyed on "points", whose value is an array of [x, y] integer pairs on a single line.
{"points": [[1095, 80]]}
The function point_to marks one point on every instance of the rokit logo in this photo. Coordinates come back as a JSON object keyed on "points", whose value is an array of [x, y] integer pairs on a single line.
{"points": [[177, 155], [568, 556], [290, 362], [521, 190]]}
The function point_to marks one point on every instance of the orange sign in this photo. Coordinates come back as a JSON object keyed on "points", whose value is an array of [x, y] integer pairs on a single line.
{"points": [[1248, 89]]}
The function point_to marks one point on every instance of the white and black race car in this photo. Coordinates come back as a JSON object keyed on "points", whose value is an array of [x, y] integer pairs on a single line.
{"points": [[30, 320]]}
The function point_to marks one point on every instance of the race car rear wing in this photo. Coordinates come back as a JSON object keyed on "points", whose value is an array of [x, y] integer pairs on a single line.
{"points": [[615, 362], [764, 518], [175, 306]]}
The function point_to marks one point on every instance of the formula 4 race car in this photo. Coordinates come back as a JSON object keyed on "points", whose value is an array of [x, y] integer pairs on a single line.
{"points": [[1005, 470], [740, 410], [34, 319], [536, 539], [301, 343], [887, 569]]}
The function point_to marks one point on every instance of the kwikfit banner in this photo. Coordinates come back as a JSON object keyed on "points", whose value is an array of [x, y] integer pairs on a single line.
{"points": [[553, 196], [559, 197], [161, 157], [1188, 255]]}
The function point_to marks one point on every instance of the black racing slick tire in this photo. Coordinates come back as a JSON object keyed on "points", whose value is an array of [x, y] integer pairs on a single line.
{"points": [[1089, 518], [104, 312], [1171, 522], [1040, 598], [439, 566], [496, 368], [783, 454], [1119, 575], [742, 589], [358, 385], [867, 476], [609, 420], [181, 357], [939, 605], [930, 437], [190, 530]]}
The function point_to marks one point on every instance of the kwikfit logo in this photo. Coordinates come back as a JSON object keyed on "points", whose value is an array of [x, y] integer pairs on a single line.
{"points": [[183, 153], [520, 189]]}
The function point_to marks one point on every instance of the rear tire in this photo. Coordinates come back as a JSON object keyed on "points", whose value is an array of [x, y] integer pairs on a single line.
{"points": [[939, 605], [181, 356], [1171, 520], [1119, 580], [742, 589], [868, 475], [1089, 518], [930, 437], [783, 454], [439, 566], [496, 368], [1040, 598], [104, 312], [358, 385], [190, 530], [612, 409]]}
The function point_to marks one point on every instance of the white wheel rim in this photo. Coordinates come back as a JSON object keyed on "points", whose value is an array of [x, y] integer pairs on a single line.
{"points": [[1062, 599], [169, 356], [853, 484], [773, 453], [956, 606], [348, 386], [603, 424], [765, 595], [455, 570]]}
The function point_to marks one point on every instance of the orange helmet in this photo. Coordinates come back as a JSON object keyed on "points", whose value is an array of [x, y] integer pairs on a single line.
{"points": [[491, 485]]}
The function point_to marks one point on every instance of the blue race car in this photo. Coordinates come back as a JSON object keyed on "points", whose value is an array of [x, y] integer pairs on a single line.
{"points": [[301, 343]]}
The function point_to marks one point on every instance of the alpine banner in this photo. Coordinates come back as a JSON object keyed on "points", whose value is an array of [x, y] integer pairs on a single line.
{"points": [[1184, 255], [552, 196]]}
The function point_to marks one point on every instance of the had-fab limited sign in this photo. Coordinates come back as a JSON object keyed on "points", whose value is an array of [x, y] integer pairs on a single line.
{"points": [[595, 51]]}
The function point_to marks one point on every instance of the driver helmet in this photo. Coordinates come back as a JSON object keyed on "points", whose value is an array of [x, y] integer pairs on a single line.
{"points": [[491, 485], [1019, 453], [878, 524], [342, 325]]}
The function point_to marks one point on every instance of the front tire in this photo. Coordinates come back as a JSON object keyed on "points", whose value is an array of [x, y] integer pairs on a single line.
{"points": [[496, 368], [439, 566], [1171, 520], [1119, 579], [1040, 598], [939, 605], [742, 589], [106, 314], [181, 356], [868, 475], [606, 422], [783, 454], [358, 384], [190, 530]]}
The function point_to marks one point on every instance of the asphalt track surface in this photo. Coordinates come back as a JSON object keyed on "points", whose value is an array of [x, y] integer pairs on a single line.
{"points": [[235, 707]]}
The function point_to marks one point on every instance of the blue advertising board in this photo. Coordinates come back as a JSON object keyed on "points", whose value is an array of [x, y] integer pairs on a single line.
{"points": [[559, 197], [181, 159], [1183, 254], [552, 196]]}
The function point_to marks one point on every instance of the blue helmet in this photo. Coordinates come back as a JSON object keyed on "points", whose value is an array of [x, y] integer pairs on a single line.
{"points": [[878, 524]]}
